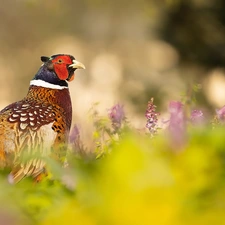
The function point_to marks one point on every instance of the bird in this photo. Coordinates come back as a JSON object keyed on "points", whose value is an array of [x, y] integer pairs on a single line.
{"points": [[38, 125]]}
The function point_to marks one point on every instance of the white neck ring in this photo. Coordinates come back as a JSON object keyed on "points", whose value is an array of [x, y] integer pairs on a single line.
{"points": [[45, 84]]}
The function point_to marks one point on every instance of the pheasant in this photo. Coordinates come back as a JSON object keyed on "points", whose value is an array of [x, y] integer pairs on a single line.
{"points": [[39, 124]]}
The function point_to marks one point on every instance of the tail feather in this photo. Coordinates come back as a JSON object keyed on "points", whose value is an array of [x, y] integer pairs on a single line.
{"points": [[33, 168]]}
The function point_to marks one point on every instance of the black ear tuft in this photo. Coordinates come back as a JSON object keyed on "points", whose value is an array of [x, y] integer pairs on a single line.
{"points": [[44, 58]]}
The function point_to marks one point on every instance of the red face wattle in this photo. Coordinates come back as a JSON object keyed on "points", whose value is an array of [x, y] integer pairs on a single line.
{"points": [[61, 67]]}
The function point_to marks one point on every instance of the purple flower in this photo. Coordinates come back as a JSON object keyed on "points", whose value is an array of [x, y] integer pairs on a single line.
{"points": [[197, 117], [75, 140], [221, 114], [152, 117], [116, 115], [74, 134], [177, 123]]}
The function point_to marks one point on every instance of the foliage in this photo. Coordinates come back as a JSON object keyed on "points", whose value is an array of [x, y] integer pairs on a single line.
{"points": [[140, 178]]}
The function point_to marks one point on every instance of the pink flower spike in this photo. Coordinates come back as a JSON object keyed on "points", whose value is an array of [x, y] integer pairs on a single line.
{"points": [[177, 123], [116, 115], [197, 117], [221, 114], [152, 117], [75, 134]]}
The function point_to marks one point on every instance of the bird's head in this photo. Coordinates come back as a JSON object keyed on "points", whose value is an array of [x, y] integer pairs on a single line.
{"points": [[56, 71], [63, 65]]}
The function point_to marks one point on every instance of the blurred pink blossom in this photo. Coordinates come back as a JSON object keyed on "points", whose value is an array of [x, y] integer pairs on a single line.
{"points": [[116, 115], [74, 134], [221, 114], [177, 123], [75, 140], [197, 117]]}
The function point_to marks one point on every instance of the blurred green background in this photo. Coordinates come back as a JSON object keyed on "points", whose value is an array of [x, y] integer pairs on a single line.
{"points": [[132, 50]]}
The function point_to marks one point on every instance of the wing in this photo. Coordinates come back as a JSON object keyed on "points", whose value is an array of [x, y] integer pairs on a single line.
{"points": [[26, 134]]}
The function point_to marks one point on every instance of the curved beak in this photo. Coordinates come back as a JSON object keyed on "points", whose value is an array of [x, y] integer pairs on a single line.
{"points": [[77, 65]]}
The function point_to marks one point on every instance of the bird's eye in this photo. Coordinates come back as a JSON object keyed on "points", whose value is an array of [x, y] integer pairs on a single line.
{"points": [[60, 61]]}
